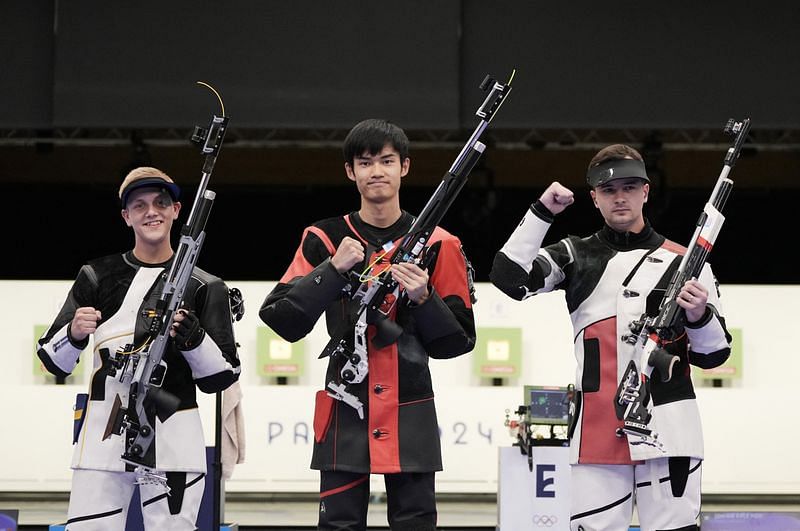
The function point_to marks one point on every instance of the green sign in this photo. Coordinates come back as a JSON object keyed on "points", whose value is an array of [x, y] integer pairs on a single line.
{"points": [[498, 353], [276, 356], [38, 367], [732, 369]]}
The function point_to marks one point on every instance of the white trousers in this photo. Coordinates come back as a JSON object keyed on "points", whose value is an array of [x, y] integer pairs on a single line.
{"points": [[603, 496], [99, 501]]}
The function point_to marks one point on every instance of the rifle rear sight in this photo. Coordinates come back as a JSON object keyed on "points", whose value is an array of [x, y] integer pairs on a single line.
{"points": [[210, 139]]}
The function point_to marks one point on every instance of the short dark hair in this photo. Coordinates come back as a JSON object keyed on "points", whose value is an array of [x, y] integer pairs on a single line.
{"points": [[371, 136], [615, 152]]}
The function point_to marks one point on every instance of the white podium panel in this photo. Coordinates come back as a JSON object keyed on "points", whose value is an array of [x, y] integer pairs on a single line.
{"points": [[533, 499]]}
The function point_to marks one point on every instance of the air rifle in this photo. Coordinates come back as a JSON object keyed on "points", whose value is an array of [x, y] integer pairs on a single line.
{"points": [[649, 334], [144, 365], [375, 296]]}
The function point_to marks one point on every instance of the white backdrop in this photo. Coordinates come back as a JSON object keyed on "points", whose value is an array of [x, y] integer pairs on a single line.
{"points": [[749, 427]]}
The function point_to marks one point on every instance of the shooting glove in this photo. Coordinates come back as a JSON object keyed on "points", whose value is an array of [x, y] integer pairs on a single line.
{"points": [[189, 334]]}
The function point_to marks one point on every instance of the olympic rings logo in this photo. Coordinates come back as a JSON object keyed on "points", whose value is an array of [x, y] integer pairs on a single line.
{"points": [[545, 520]]}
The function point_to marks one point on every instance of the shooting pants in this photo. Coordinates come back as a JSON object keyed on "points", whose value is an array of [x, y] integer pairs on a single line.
{"points": [[344, 499], [666, 492], [99, 501]]}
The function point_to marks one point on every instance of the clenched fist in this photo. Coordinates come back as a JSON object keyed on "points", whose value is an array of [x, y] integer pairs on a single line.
{"points": [[84, 322], [349, 253], [557, 197]]}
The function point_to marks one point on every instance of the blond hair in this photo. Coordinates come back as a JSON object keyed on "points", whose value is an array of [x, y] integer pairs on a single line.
{"points": [[142, 172]]}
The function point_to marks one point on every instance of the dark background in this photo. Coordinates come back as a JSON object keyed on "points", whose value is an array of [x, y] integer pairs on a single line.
{"points": [[92, 89]]}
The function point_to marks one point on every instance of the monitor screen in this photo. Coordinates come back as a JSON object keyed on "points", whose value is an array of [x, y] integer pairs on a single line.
{"points": [[547, 405]]}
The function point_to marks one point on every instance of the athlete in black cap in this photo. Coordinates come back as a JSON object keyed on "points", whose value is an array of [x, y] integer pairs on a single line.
{"points": [[610, 279]]}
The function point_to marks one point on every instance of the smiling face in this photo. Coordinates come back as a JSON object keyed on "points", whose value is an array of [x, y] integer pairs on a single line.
{"points": [[621, 202], [150, 212], [378, 176]]}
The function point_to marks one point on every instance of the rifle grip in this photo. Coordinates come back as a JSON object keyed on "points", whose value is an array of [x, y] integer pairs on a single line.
{"points": [[664, 362]]}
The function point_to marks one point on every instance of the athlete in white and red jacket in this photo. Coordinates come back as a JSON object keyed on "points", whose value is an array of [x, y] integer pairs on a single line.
{"points": [[610, 279]]}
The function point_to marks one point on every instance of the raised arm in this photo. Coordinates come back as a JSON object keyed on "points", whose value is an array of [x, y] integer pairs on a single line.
{"points": [[521, 268]]}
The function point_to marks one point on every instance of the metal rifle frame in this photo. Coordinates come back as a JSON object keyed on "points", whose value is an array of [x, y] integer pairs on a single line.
{"points": [[632, 400], [144, 364]]}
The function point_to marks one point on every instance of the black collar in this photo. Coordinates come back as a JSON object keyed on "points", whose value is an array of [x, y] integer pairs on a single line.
{"points": [[625, 241], [378, 236], [131, 259]]}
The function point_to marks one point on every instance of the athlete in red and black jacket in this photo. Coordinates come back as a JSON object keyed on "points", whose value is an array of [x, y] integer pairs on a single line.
{"points": [[399, 435]]}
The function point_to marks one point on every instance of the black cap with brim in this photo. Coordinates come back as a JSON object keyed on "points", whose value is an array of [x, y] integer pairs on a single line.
{"points": [[150, 182], [611, 170]]}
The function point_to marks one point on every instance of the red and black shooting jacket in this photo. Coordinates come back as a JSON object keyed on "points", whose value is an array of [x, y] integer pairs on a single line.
{"points": [[400, 432]]}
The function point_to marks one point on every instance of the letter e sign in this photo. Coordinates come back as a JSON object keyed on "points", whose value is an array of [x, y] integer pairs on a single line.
{"points": [[543, 482]]}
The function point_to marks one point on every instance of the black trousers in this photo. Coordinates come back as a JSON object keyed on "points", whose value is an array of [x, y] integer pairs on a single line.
{"points": [[344, 499]]}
